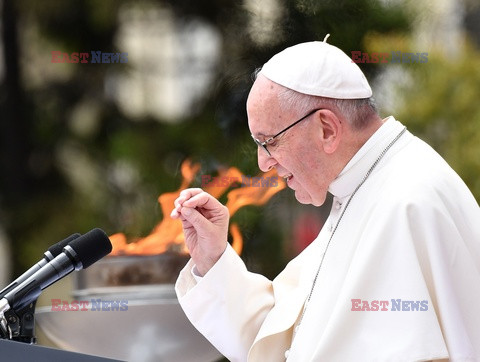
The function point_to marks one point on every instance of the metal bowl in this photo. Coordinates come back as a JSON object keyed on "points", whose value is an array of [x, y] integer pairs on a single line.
{"points": [[151, 328]]}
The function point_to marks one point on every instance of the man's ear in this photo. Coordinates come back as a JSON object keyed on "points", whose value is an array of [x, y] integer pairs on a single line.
{"points": [[332, 130]]}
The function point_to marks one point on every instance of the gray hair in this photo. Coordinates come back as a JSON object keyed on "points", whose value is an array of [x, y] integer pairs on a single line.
{"points": [[357, 112]]}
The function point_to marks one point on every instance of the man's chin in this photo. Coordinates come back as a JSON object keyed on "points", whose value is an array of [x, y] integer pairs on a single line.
{"points": [[306, 199], [303, 198]]}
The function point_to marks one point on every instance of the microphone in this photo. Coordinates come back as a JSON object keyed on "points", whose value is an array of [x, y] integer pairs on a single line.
{"points": [[80, 253], [51, 253]]}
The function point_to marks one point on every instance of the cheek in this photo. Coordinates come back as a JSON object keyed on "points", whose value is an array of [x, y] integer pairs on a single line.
{"points": [[308, 164], [301, 157], [312, 176]]}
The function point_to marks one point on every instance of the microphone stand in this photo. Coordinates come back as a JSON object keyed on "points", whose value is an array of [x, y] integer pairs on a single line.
{"points": [[17, 325]]}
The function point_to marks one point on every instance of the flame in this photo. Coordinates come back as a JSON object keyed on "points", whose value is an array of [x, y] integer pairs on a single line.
{"points": [[253, 195], [168, 234], [237, 243]]}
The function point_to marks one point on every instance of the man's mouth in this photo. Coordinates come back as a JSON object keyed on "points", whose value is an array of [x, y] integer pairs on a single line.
{"points": [[288, 177]]}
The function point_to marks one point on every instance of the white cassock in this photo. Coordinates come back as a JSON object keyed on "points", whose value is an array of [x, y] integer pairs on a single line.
{"points": [[410, 237]]}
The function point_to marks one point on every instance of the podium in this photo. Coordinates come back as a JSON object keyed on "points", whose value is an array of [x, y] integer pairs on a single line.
{"points": [[18, 351]]}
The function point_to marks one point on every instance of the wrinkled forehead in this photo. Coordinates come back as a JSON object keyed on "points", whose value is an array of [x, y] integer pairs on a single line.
{"points": [[265, 115]]}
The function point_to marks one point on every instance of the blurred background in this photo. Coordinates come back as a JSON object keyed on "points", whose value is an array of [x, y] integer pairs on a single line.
{"points": [[94, 145]]}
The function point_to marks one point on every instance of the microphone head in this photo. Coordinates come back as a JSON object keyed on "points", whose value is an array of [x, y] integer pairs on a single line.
{"points": [[57, 248], [91, 247]]}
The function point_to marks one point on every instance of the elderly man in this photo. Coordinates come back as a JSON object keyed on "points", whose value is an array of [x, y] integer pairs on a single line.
{"points": [[394, 274]]}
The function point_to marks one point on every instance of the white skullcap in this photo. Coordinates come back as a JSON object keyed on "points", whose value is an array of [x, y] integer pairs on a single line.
{"points": [[319, 69]]}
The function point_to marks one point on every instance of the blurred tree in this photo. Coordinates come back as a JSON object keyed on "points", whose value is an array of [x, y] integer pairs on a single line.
{"points": [[438, 101], [15, 138], [73, 160]]}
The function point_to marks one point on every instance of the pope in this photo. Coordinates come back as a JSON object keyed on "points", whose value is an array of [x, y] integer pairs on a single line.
{"points": [[404, 229]]}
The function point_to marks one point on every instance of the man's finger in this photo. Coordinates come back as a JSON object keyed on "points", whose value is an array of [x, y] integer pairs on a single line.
{"points": [[192, 216], [185, 195], [202, 200], [186, 224]]}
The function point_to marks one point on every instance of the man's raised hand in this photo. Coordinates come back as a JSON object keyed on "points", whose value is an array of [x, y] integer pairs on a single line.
{"points": [[205, 225]]}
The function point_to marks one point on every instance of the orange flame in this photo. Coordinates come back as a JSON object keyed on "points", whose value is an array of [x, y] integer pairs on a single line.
{"points": [[168, 234]]}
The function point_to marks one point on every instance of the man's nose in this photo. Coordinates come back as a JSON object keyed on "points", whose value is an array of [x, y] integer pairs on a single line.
{"points": [[265, 162]]}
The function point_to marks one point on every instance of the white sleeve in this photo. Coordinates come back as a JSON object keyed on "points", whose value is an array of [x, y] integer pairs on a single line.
{"points": [[195, 274], [227, 305]]}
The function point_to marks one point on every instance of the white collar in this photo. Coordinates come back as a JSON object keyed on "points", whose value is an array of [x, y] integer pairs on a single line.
{"points": [[357, 167]]}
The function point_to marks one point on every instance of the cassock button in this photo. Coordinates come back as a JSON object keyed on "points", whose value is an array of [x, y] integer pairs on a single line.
{"points": [[287, 352]]}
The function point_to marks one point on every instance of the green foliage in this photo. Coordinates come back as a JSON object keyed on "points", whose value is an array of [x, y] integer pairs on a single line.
{"points": [[87, 164], [439, 103]]}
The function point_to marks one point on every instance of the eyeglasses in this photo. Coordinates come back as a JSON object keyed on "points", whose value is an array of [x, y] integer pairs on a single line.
{"points": [[270, 139]]}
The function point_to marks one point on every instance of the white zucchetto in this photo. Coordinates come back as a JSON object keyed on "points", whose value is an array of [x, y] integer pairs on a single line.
{"points": [[319, 69]]}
